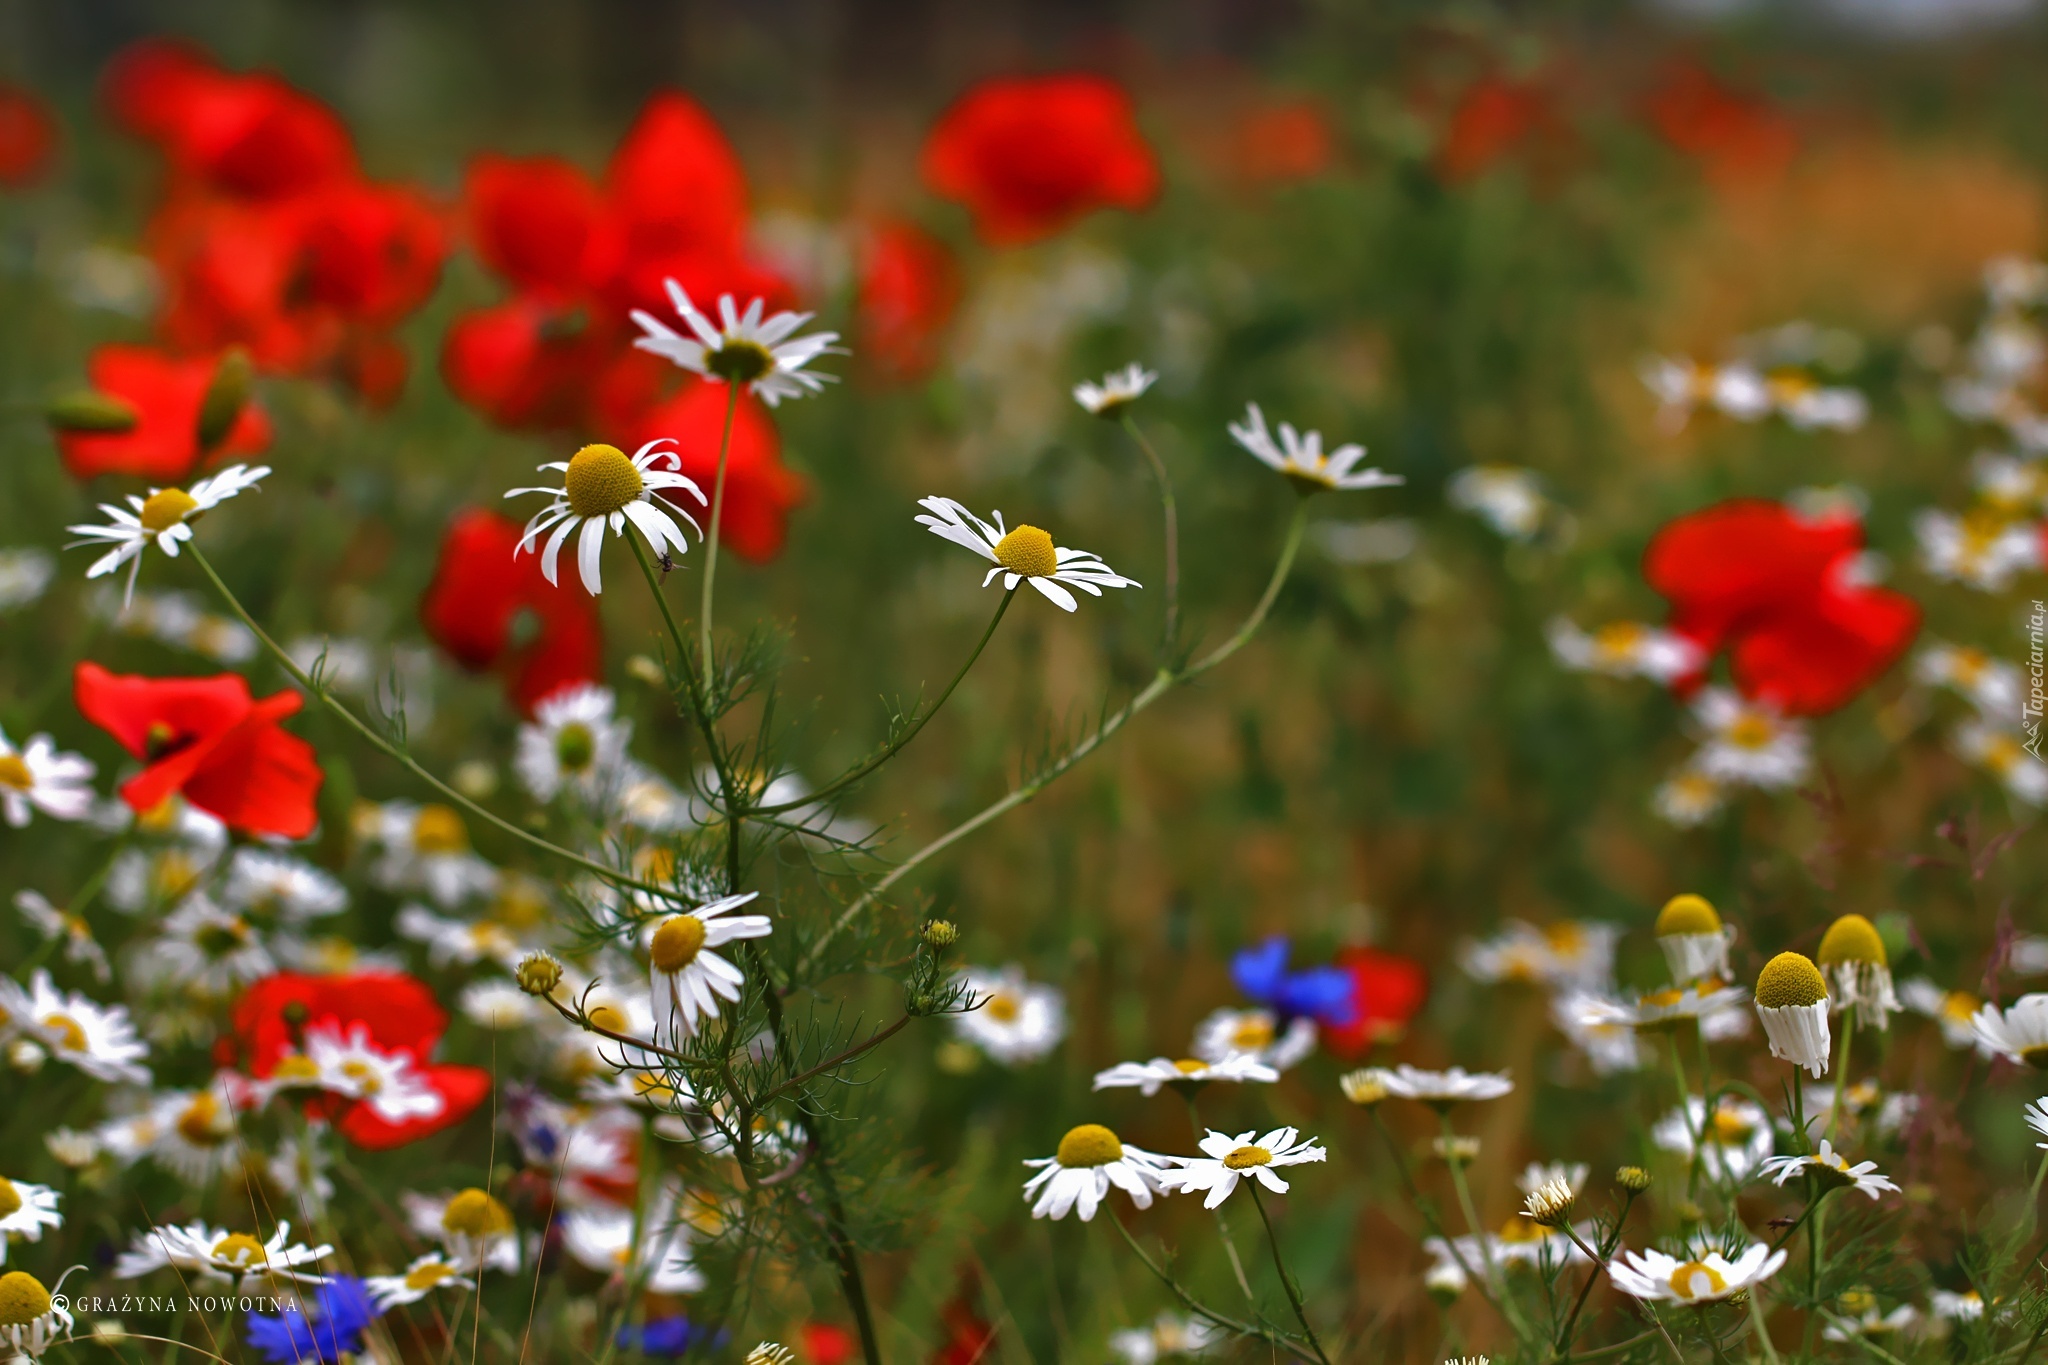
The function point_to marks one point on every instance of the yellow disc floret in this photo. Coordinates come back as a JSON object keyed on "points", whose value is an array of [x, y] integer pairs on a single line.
{"points": [[1028, 551], [1790, 979], [1687, 914], [1091, 1144], [1852, 938], [166, 508], [438, 829], [239, 1248], [474, 1213], [22, 1299], [600, 481], [1244, 1158], [10, 1198], [1694, 1280], [14, 772], [428, 1275], [677, 943]]}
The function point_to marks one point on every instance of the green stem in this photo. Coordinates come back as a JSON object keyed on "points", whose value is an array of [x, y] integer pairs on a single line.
{"points": [[732, 403], [1763, 1331], [1571, 1323], [1423, 1206], [1200, 1310], [2034, 1195], [1842, 1073], [1187, 1092], [1286, 1280], [406, 760], [1172, 529]]}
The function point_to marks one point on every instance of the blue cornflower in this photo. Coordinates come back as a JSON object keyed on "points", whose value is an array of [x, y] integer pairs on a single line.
{"points": [[1328, 995], [671, 1336], [341, 1309]]}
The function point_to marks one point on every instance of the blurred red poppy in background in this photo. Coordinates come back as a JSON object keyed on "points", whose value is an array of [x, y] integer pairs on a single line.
{"points": [[825, 1343], [760, 491], [28, 138], [909, 287], [495, 613], [174, 424], [208, 740], [1739, 140], [1028, 155], [1787, 596], [1281, 143], [1390, 991], [1496, 118]]}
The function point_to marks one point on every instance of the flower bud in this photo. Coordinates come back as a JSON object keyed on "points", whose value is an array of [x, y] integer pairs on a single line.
{"points": [[941, 933], [1634, 1179], [88, 410], [538, 973], [226, 396], [1364, 1087]]}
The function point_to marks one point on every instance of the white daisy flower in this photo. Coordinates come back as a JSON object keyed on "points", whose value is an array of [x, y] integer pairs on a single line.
{"points": [[600, 1237], [1809, 405], [1226, 1160], [206, 949], [2015, 282], [1681, 386], [575, 741], [2000, 753], [602, 487], [498, 1005], [1169, 1335], [1852, 957], [1693, 939], [31, 1321], [1561, 955], [25, 576], [686, 979], [741, 348], [1022, 554], [1982, 550], [275, 890], [1624, 649], [1749, 743], [1689, 798], [1995, 687], [475, 1228], [1228, 1033], [25, 1210], [97, 1039], [1524, 1241], [1871, 1323], [2020, 1033], [1090, 1159], [1149, 1076], [1540, 1174], [2028, 955], [215, 1254], [1666, 1008], [1792, 1003], [194, 1134], [1601, 1027], [1018, 1020], [1299, 456], [426, 1274], [80, 947], [39, 778], [464, 941], [353, 1065], [1508, 499], [424, 848], [1832, 1167], [1655, 1276], [164, 519], [1950, 1306], [1733, 1141], [1951, 1010], [1443, 1088], [1117, 391]]}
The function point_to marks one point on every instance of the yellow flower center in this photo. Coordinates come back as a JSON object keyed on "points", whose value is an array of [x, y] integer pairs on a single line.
{"points": [[1728, 1128], [438, 829], [2002, 754], [10, 1198], [1091, 1144], [1004, 1007], [1852, 938], [1694, 1280], [71, 1034], [608, 1017], [200, 1124], [14, 772], [364, 1075], [428, 1275], [166, 508], [1190, 1066], [240, 1249], [22, 1299], [518, 905], [1968, 665], [1523, 1230], [677, 943], [1244, 1158], [1790, 979], [1789, 385], [1960, 1006], [1751, 731], [474, 1213], [575, 747], [1687, 914], [1565, 937], [218, 938], [160, 818], [1254, 1033], [1618, 640], [1029, 551], [174, 875], [601, 480], [295, 1069], [740, 361]]}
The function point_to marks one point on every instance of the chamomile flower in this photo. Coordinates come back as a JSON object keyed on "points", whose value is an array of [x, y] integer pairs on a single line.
{"points": [[424, 848], [1299, 457], [601, 1238], [1228, 1033], [426, 1274], [475, 1228], [1169, 1335], [1226, 1160], [215, 1254], [1853, 959], [1089, 1160], [352, 1064], [1023, 554], [1601, 1027], [575, 742], [2000, 753], [1953, 1011], [602, 486], [1624, 649], [1733, 1141], [80, 947], [1693, 939], [740, 348], [195, 1134], [277, 891], [207, 950], [1188, 1071], [37, 777], [1689, 798], [1872, 1323], [25, 575], [1508, 499], [1652, 1275], [1832, 1168], [31, 1321], [686, 978], [97, 1039], [25, 1210], [1993, 686], [2019, 1034], [1017, 1021], [464, 941], [498, 1005], [1982, 549], [1445, 1088], [163, 519], [1748, 743], [1792, 1003], [1117, 391], [1704, 999], [1564, 954], [1949, 1306]]}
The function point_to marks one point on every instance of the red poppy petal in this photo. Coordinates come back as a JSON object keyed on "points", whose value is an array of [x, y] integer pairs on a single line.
{"points": [[462, 1089], [260, 779]]}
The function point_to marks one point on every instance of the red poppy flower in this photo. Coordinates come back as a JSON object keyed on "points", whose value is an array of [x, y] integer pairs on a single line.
{"points": [[207, 739], [537, 222], [1283, 142], [495, 613], [1785, 596], [760, 491], [391, 1012], [166, 395], [1028, 155], [968, 1335], [1737, 139], [28, 138], [1390, 990], [826, 1343], [677, 200], [909, 287]]}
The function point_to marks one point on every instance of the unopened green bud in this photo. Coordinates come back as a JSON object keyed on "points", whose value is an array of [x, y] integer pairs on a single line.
{"points": [[1634, 1179], [538, 974], [941, 933], [89, 410], [226, 396]]}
